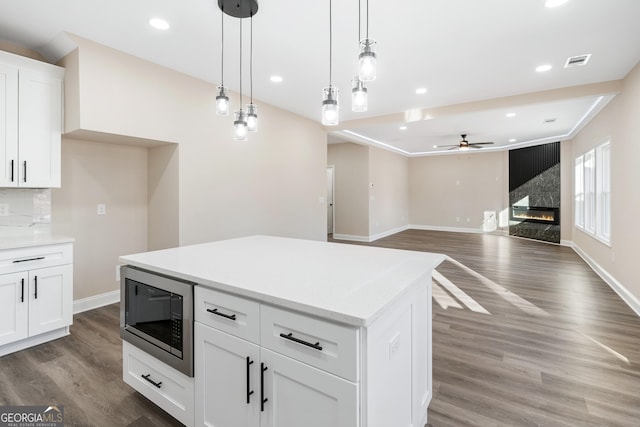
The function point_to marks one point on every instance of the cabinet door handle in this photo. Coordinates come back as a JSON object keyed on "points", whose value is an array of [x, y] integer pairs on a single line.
{"points": [[28, 259], [25, 171], [22, 295], [249, 391], [227, 316], [35, 281], [262, 398], [147, 377], [290, 336], [11, 170]]}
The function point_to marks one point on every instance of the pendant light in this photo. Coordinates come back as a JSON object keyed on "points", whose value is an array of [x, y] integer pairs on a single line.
{"points": [[359, 95], [330, 106], [240, 124], [222, 99], [367, 57], [252, 110]]}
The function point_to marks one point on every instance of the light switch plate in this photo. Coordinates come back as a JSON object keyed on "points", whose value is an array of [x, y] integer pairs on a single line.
{"points": [[4, 209], [102, 209]]}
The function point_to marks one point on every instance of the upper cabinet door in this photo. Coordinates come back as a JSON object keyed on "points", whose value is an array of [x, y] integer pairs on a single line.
{"points": [[39, 129], [8, 126]]}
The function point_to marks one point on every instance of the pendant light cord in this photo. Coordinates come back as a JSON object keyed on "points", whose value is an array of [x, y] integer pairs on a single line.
{"points": [[367, 19], [222, 54], [240, 64], [330, 43], [359, 25], [251, 58]]}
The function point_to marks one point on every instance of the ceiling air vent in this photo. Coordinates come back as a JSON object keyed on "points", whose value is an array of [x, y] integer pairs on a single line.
{"points": [[576, 61], [549, 120]]}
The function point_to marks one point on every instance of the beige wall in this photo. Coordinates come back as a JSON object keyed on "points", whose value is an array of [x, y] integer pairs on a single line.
{"points": [[351, 193], [164, 201], [566, 191], [388, 192], [620, 122], [271, 184], [453, 191], [94, 173]]}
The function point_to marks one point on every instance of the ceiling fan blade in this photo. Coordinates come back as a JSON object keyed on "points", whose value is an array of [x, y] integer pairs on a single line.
{"points": [[454, 147], [450, 145], [474, 147], [480, 143]]}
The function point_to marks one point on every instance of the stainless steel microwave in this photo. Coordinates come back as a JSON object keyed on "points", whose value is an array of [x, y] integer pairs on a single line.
{"points": [[156, 315]]}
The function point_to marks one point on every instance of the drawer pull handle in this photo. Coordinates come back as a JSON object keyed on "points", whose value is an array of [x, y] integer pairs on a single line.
{"points": [[28, 259], [226, 316], [290, 336], [249, 391], [146, 377], [263, 400]]}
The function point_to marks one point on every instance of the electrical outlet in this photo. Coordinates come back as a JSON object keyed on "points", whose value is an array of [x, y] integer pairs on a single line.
{"points": [[4, 209]]}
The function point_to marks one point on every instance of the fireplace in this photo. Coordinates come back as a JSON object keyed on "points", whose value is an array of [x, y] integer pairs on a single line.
{"points": [[539, 214]]}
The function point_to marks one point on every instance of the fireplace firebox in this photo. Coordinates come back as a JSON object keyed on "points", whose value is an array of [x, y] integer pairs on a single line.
{"points": [[539, 214]]}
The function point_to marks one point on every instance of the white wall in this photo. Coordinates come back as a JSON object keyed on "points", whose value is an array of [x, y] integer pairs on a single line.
{"points": [[620, 122], [388, 192], [271, 184], [453, 191]]}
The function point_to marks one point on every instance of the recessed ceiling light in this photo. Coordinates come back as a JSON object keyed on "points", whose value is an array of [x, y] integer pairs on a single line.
{"points": [[435, 146], [509, 115], [512, 140], [421, 90], [543, 68], [159, 24], [555, 3], [403, 128], [276, 79]]}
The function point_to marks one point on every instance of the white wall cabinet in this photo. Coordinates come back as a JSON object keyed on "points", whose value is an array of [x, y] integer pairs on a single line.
{"points": [[30, 122], [36, 295]]}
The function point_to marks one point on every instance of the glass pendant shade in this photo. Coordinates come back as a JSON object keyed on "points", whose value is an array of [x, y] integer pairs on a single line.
{"points": [[359, 96], [222, 102], [252, 117], [330, 106], [240, 126], [367, 61]]}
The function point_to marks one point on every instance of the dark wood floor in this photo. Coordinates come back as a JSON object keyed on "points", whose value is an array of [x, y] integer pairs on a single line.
{"points": [[545, 343]]}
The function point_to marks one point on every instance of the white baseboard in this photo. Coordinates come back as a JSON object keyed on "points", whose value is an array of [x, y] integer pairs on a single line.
{"points": [[33, 341], [632, 301], [96, 301], [450, 229], [567, 243], [388, 233], [351, 237]]}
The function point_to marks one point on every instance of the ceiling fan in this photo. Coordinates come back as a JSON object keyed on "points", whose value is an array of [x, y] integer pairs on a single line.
{"points": [[464, 144]]}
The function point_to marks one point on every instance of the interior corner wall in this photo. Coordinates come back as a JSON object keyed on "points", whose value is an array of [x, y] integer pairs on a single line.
{"points": [[454, 191], [163, 194], [351, 189], [618, 121], [274, 183], [95, 173], [388, 192]]}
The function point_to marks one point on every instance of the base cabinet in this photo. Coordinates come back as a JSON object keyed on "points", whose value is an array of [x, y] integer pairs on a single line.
{"points": [[35, 303], [240, 384]]}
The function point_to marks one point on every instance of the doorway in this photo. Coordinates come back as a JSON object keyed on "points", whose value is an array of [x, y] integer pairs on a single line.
{"points": [[330, 188]]}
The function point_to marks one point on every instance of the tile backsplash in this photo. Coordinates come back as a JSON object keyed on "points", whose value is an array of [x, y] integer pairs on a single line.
{"points": [[28, 210]]}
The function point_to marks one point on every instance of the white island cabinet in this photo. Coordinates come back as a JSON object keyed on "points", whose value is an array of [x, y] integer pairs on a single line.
{"points": [[291, 332]]}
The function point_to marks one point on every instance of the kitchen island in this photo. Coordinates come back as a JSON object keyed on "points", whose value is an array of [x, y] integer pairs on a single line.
{"points": [[291, 332]]}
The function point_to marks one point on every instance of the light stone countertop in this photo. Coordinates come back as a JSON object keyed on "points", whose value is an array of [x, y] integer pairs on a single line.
{"points": [[346, 283], [15, 241]]}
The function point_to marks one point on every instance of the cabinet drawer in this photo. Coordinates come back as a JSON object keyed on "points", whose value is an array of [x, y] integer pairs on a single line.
{"points": [[172, 391], [29, 258], [236, 316], [325, 345]]}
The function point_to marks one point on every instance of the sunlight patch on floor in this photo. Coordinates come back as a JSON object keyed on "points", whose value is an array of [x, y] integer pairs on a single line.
{"points": [[458, 293], [502, 292], [606, 348], [443, 298]]}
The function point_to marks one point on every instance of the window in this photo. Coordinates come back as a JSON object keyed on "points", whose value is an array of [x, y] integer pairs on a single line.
{"points": [[592, 192], [579, 192]]}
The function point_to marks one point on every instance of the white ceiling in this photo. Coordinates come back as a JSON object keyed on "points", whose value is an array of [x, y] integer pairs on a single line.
{"points": [[476, 58]]}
